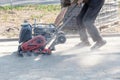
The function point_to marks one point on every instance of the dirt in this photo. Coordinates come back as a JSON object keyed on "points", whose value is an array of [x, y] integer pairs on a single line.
{"points": [[10, 21]]}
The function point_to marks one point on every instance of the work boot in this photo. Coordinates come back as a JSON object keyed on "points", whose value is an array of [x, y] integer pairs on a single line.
{"points": [[83, 44], [98, 44]]}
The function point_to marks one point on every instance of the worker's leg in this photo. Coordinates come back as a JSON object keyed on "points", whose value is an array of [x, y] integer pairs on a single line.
{"points": [[82, 29], [60, 16], [89, 20]]}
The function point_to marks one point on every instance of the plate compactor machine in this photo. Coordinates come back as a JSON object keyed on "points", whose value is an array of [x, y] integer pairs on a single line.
{"points": [[43, 39]]}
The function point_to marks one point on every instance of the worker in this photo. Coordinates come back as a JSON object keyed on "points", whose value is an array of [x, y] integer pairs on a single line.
{"points": [[85, 21]]}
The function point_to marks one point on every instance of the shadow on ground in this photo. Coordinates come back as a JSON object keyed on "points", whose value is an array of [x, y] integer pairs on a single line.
{"points": [[71, 64]]}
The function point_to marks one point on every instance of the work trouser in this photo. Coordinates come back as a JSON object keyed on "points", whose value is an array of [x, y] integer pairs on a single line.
{"points": [[86, 19]]}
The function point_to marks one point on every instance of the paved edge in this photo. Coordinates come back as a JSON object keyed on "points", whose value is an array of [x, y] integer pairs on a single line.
{"points": [[68, 36], [104, 35], [17, 3]]}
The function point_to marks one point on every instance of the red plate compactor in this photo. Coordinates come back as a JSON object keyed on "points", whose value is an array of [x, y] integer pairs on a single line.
{"points": [[41, 38]]}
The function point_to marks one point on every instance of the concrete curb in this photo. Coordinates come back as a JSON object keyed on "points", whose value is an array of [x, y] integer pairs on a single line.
{"points": [[104, 35], [17, 3], [11, 39], [68, 36]]}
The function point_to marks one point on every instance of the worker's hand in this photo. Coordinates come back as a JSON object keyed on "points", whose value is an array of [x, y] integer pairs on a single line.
{"points": [[79, 2]]}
